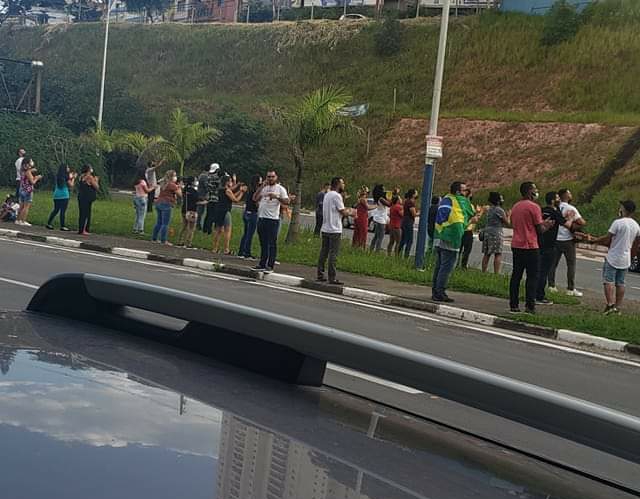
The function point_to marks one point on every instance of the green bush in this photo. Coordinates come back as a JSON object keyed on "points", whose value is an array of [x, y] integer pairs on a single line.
{"points": [[612, 13], [47, 142], [561, 24], [387, 37]]}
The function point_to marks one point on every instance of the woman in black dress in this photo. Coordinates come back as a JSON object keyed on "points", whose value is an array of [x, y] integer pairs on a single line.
{"points": [[88, 186], [226, 198]]}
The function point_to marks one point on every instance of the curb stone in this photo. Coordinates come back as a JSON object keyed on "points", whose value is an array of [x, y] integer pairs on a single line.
{"points": [[363, 294]]}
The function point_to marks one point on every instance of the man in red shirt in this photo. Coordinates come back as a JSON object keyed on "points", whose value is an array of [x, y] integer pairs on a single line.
{"points": [[527, 223]]}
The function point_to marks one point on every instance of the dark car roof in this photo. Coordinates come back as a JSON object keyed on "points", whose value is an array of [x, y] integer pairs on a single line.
{"points": [[88, 412]]}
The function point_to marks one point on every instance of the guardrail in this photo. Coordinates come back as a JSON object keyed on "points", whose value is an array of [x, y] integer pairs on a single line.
{"points": [[297, 351]]}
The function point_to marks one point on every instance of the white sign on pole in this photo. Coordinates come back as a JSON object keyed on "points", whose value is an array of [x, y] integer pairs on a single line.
{"points": [[434, 147]]}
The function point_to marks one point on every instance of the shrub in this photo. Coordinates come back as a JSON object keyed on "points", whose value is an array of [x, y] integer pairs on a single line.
{"points": [[387, 37], [561, 24]]}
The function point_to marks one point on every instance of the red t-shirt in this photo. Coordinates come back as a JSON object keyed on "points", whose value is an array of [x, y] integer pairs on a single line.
{"points": [[525, 215], [395, 216]]}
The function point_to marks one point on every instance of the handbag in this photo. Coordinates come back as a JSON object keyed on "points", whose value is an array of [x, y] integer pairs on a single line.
{"points": [[481, 235]]}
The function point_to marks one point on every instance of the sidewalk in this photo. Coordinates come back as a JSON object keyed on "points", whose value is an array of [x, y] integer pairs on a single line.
{"points": [[477, 308]]}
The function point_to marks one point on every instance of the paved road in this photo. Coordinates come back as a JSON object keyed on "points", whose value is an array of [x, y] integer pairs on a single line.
{"points": [[603, 380]]}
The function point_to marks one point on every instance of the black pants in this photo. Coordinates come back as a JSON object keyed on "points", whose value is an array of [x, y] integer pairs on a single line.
{"points": [[210, 218], [150, 199], [200, 220], [524, 260], [17, 190], [329, 250], [319, 220], [84, 214], [465, 250], [59, 206], [547, 259], [268, 235]]}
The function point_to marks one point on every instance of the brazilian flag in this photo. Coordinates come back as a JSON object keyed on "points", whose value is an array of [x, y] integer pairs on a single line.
{"points": [[454, 213]]}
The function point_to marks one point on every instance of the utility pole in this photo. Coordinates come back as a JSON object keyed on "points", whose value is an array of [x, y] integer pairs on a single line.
{"points": [[312, 5], [38, 65], [104, 67], [345, 8], [431, 155]]}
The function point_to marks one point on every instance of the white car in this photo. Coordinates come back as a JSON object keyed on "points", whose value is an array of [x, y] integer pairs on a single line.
{"points": [[352, 17]]}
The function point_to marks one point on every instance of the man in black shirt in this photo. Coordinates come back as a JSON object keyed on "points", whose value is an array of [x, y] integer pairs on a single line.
{"points": [[319, 204], [547, 242]]}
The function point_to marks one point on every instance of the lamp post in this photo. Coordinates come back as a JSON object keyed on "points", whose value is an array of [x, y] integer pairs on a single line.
{"points": [[104, 67], [430, 160]]}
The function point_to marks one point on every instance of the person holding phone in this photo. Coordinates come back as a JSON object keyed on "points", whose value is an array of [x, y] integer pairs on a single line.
{"points": [[28, 179], [88, 186], [65, 180]]}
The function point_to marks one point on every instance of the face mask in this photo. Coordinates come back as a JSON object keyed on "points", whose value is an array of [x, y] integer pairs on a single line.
{"points": [[536, 195], [195, 184], [620, 213], [175, 179]]}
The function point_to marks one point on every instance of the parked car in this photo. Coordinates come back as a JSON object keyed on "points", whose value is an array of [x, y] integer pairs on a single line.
{"points": [[353, 17]]}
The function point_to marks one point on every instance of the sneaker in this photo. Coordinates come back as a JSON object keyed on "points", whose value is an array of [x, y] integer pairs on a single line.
{"points": [[611, 310], [321, 278], [553, 289], [573, 292], [26, 224], [544, 301], [529, 310], [242, 256], [515, 310], [50, 227], [437, 298], [268, 270], [259, 268], [18, 222], [276, 262], [64, 229], [336, 283], [251, 257]]}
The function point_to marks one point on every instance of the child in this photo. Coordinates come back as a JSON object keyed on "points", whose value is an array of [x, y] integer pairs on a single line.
{"points": [[9, 209]]}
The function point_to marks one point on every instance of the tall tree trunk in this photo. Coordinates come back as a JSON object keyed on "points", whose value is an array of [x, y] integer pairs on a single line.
{"points": [[294, 226]]}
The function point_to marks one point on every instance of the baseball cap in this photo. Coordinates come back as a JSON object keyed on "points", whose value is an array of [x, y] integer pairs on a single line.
{"points": [[628, 205]]}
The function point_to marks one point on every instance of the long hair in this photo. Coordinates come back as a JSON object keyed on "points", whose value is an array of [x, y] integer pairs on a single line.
{"points": [[168, 177], [140, 176], [378, 192], [410, 193], [62, 176], [86, 168], [255, 181]]}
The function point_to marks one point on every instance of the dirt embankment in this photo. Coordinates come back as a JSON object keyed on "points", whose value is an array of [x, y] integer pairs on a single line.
{"points": [[488, 154]]}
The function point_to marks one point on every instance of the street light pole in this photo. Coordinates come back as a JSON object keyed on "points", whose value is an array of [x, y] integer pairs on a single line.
{"points": [[430, 162], [345, 8], [104, 67]]}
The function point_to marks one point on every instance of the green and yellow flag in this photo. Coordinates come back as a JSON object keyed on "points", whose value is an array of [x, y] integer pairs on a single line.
{"points": [[454, 213]]}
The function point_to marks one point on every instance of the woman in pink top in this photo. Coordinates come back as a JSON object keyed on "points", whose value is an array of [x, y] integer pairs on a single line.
{"points": [[140, 201]]}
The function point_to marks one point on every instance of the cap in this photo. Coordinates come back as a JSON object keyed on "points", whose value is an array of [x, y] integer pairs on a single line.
{"points": [[628, 205], [214, 167]]}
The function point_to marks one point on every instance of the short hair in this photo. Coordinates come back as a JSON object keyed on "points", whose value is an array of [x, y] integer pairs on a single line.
{"points": [[562, 192], [410, 193], [335, 181], [455, 187], [378, 192], [18, 150], [525, 187], [494, 198], [549, 197], [395, 199], [435, 200]]}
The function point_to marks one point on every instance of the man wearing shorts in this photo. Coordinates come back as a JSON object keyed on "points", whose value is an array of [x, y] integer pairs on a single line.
{"points": [[623, 240]]}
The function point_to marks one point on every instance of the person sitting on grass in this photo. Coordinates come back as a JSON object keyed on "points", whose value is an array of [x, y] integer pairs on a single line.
{"points": [[9, 209], [222, 214]]}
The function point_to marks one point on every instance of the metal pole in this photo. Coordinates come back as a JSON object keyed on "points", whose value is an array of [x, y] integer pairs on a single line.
{"points": [[345, 8], [248, 11], [417, 9], [104, 67], [429, 167], [312, 5], [38, 65]]}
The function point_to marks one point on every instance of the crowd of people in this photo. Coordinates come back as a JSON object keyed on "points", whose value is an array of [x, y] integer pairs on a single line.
{"points": [[542, 236]]}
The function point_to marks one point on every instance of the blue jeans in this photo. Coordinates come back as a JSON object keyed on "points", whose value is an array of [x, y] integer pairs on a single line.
{"points": [[407, 238], [268, 234], [140, 204], [445, 263], [162, 223], [250, 220]]}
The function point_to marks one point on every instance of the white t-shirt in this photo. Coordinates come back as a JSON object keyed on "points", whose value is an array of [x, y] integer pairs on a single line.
{"points": [[270, 208], [625, 231], [331, 216], [380, 214], [565, 234], [18, 168]]}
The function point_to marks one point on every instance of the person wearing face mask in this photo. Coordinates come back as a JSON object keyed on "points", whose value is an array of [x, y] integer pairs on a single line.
{"points": [[492, 234], [88, 186], [189, 212], [527, 223], [164, 203]]}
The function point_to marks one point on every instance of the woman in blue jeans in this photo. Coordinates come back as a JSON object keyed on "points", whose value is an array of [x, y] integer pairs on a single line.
{"points": [[250, 218], [65, 179], [164, 203], [140, 200]]}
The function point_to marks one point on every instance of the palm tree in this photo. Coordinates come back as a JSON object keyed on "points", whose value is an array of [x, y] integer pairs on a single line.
{"points": [[310, 124]]}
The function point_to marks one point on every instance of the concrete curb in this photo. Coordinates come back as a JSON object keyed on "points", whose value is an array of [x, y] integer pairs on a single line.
{"points": [[357, 293]]}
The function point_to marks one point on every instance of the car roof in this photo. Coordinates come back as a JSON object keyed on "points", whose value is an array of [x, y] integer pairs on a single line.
{"points": [[95, 410]]}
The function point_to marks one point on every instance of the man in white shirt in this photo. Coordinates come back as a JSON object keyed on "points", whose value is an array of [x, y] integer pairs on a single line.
{"points": [[566, 243], [623, 240], [270, 196], [21, 153], [332, 212]]}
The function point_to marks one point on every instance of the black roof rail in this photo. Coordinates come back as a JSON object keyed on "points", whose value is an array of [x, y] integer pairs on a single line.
{"points": [[297, 351]]}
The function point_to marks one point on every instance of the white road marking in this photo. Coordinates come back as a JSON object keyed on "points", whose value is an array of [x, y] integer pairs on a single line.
{"points": [[19, 283], [342, 299], [635, 287], [374, 379]]}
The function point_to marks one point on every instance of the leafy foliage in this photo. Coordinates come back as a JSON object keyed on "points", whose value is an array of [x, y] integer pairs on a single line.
{"points": [[562, 23], [387, 37]]}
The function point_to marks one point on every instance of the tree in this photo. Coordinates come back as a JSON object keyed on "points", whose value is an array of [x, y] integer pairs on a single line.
{"points": [[561, 24], [150, 7], [310, 124]]}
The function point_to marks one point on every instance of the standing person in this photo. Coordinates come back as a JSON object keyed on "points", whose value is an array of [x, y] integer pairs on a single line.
{"points": [[410, 212], [140, 200], [623, 239], [21, 154], [396, 214], [566, 243], [467, 236], [332, 212], [190, 198], [213, 189], [151, 177], [319, 200], [202, 198], [493, 234], [250, 218], [361, 222], [380, 217], [164, 203], [431, 220], [88, 186], [453, 215], [65, 180], [28, 179], [527, 223], [270, 196], [547, 242], [226, 197]]}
